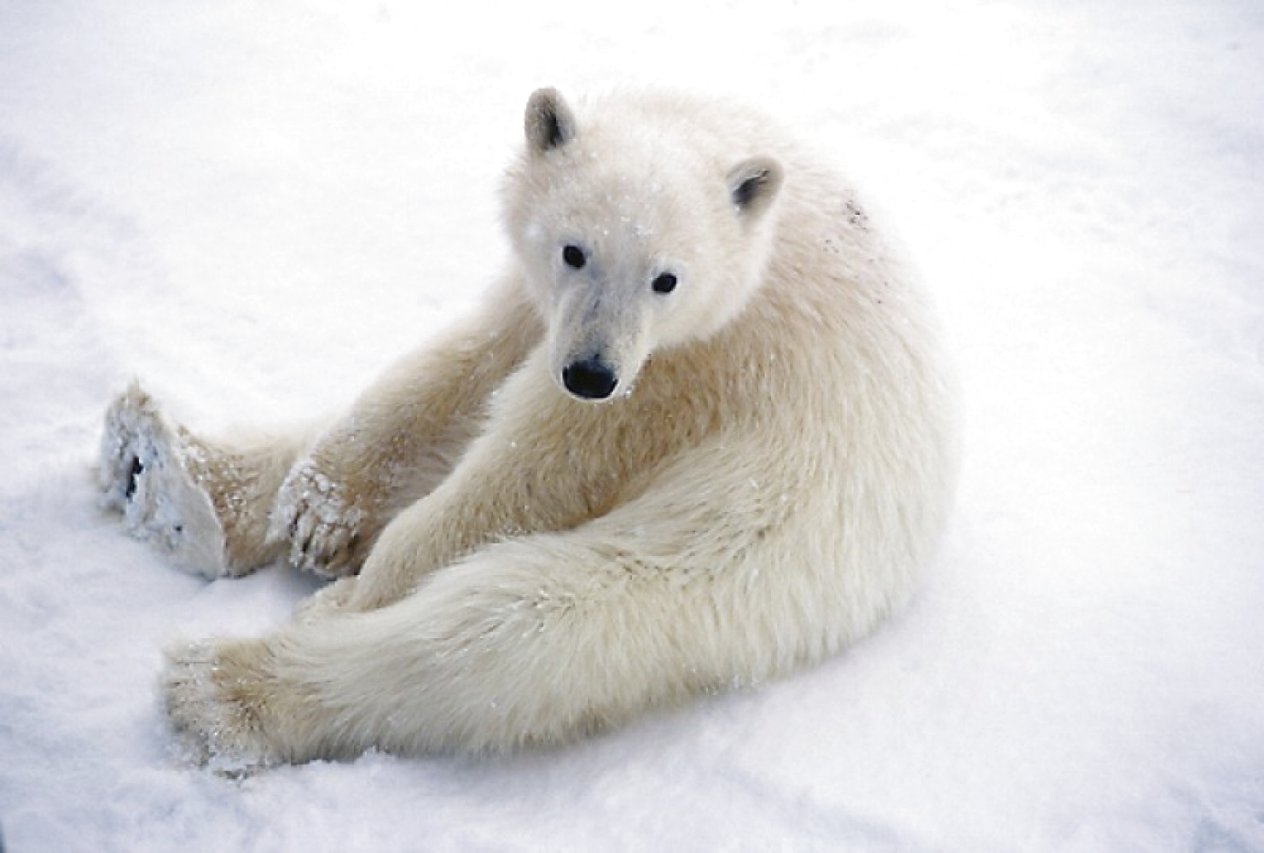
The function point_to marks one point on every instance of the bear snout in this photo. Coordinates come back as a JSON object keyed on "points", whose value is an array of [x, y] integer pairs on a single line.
{"points": [[590, 378]]}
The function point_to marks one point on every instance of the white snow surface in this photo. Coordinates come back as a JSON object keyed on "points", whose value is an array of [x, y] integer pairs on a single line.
{"points": [[256, 206]]}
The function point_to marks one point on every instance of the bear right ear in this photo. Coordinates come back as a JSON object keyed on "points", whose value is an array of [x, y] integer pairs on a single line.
{"points": [[549, 121], [753, 184]]}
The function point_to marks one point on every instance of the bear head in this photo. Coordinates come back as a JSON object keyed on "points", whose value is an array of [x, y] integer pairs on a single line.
{"points": [[637, 230]]}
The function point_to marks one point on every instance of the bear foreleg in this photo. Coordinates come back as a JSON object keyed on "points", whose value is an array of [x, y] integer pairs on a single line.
{"points": [[401, 438]]}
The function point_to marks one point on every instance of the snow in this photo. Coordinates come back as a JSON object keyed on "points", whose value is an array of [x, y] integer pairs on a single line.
{"points": [[255, 207]]}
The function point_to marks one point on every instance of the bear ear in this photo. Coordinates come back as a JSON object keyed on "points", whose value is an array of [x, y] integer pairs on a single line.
{"points": [[753, 184], [549, 121]]}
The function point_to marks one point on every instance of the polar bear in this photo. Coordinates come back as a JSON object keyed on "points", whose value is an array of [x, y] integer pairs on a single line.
{"points": [[700, 435]]}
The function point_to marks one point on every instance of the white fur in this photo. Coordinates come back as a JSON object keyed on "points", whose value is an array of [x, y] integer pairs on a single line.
{"points": [[762, 489]]}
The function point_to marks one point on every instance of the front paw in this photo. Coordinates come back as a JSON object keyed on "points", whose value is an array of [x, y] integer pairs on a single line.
{"points": [[216, 695], [325, 521]]}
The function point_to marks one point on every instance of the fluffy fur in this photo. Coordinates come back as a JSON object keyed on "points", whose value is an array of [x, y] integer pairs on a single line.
{"points": [[601, 494]]}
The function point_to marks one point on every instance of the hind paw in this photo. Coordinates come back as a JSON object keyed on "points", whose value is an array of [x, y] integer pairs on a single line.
{"points": [[143, 472], [214, 693]]}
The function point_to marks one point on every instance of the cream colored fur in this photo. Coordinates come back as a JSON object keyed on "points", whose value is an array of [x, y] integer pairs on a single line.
{"points": [[760, 490]]}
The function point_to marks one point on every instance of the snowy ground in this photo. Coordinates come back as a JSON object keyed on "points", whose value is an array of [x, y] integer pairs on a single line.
{"points": [[255, 206]]}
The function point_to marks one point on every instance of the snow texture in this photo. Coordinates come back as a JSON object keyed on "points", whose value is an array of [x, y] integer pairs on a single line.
{"points": [[255, 206]]}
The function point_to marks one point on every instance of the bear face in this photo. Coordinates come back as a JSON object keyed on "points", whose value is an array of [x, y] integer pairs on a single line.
{"points": [[633, 240]]}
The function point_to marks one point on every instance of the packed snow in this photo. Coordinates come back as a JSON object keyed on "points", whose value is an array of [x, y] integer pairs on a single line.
{"points": [[255, 207]]}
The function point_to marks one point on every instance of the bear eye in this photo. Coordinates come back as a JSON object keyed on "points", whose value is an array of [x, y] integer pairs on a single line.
{"points": [[574, 257], [664, 283]]}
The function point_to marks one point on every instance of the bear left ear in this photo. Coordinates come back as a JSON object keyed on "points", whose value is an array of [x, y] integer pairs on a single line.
{"points": [[549, 121], [753, 184]]}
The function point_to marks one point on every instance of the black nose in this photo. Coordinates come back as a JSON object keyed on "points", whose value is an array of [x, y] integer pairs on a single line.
{"points": [[591, 379]]}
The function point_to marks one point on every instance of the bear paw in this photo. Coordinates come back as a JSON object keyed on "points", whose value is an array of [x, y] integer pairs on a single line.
{"points": [[212, 701], [322, 521], [143, 472]]}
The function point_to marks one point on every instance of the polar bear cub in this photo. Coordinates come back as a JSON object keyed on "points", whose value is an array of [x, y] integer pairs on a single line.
{"points": [[698, 436]]}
